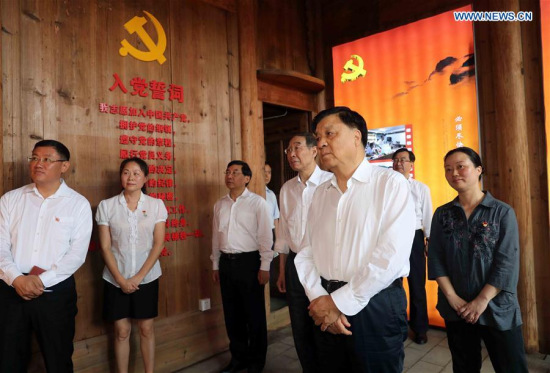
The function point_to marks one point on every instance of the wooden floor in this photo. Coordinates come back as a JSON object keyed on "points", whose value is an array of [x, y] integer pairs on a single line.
{"points": [[433, 357]]}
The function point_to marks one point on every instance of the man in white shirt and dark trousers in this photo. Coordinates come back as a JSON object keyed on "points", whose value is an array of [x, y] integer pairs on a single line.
{"points": [[45, 230], [403, 162], [241, 256], [355, 252], [295, 199]]}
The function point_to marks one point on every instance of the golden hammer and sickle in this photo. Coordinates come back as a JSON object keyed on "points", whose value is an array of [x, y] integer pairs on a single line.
{"points": [[352, 71], [156, 51]]}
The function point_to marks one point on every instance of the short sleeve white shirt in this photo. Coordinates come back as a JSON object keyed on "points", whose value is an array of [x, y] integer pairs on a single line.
{"points": [[131, 234], [271, 199]]}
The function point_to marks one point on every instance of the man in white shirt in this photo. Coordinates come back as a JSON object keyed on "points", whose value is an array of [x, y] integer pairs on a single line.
{"points": [[403, 162], [271, 199], [45, 230], [355, 251], [295, 199], [241, 256]]}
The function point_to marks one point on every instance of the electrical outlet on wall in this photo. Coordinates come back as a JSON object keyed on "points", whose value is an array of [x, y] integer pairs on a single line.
{"points": [[204, 304]]}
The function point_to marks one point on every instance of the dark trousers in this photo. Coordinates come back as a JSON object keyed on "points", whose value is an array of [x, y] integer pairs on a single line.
{"points": [[376, 343], [51, 316], [417, 285], [244, 308], [303, 326], [505, 348]]}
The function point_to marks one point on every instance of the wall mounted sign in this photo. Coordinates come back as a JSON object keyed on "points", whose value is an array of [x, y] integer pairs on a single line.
{"points": [[156, 50]]}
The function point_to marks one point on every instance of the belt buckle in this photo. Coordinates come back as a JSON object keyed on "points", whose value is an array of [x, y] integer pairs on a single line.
{"points": [[332, 285]]}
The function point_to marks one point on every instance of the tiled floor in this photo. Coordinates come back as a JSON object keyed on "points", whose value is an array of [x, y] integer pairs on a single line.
{"points": [[434, 357]]}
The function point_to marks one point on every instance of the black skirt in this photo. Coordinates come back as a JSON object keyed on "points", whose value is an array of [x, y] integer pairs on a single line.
{"points": [[141, 304]]}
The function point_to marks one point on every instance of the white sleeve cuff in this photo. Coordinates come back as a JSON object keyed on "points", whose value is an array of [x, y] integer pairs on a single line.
{"points": [[345, 301]]}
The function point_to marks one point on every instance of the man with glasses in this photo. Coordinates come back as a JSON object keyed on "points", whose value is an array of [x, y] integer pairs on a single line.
{"points": [[355, 251], [45, 230], [403, 162], [295, 199], [241, 257]]}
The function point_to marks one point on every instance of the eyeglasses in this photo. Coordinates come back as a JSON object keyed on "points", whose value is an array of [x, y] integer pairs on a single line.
{"points": [[294, 149], [46, 160], [401, 160], [234, 173]]}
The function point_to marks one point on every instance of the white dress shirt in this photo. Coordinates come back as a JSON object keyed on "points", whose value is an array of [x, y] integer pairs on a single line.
{"points": [[362, 236], [52, 233], [271, 199], [295, 199], [422, 205], [131, 234], [242, 226]]}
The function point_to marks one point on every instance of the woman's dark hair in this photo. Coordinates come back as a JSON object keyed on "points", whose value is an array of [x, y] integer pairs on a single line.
{"points": [[471, 153], [142, 165], [350, 118]]}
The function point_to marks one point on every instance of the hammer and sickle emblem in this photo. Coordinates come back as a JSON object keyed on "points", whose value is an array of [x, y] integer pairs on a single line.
{"points": [[352, 71], [156, 51]]}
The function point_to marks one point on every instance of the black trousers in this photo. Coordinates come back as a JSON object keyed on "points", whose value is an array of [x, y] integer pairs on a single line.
{"points": [[506, 349], [417, 285], [303, 327], [51, 316], [376, 343], [244, 308]]}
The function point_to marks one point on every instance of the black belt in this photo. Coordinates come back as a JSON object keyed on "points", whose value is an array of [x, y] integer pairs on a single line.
{"points": [[235, 256], [333, 285]]}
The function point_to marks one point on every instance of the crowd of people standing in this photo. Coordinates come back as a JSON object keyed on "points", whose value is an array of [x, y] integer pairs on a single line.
{"points": [[347, 232]]}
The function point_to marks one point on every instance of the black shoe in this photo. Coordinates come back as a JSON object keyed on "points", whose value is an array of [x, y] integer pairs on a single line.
{"points": [[233, 367], [421, 338]]}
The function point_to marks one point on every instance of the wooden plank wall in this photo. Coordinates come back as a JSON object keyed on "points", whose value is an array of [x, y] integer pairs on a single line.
{"points": [[59, 58]]}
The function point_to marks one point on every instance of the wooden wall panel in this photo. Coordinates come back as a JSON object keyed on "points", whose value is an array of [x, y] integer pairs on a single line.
{"points": [[532, 60], [282, 36], [58, 62]]}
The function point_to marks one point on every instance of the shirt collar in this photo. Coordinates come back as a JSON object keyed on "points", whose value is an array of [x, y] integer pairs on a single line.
{"points": [[362, 174], [315, 177], [122, 200], [244, 195], [62, 191], [487, 201]]}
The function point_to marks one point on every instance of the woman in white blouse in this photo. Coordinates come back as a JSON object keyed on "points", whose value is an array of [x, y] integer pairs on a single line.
{"points": [[131, 235]]}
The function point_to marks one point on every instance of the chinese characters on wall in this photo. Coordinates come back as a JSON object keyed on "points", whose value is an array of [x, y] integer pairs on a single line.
{"points": [[148, 134]]}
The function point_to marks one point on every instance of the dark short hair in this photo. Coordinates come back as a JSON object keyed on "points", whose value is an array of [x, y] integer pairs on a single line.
{"points": [[142, 165], [245, 168], [310, 138], [350, 118], [61, 149], [471, 153], [401, 150]]}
